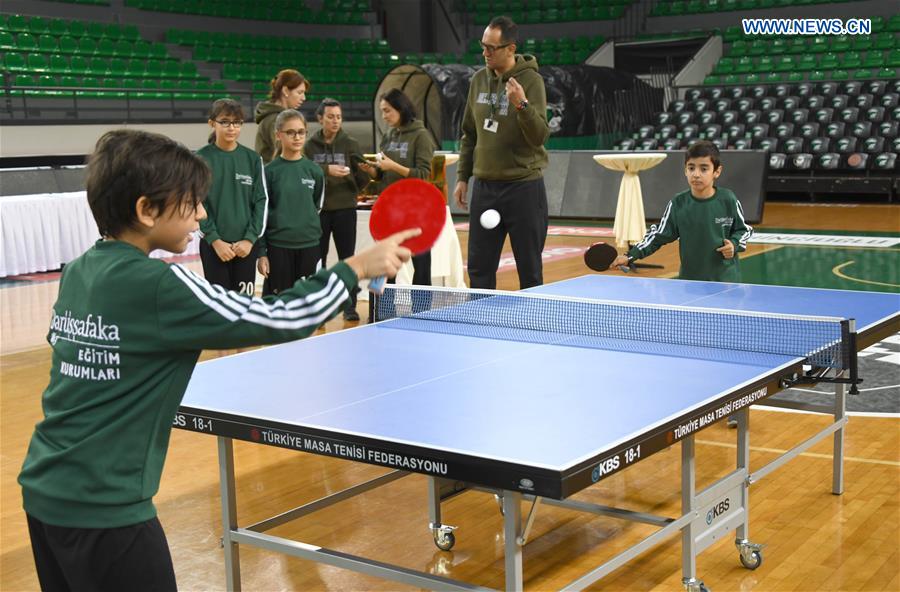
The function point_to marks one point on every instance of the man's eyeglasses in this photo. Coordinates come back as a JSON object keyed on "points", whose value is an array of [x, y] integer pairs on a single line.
{"points": [[492, 48], [293, 134], [225, 123]]}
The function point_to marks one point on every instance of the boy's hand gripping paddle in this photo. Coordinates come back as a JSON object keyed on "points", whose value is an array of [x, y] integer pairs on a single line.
{"points": [[600, 256]]}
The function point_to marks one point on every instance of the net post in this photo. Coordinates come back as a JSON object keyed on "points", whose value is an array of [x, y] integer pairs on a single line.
{"points": [[848, 327]]}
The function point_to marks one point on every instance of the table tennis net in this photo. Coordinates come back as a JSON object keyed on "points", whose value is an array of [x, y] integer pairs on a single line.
{"points": [[823, 341]]}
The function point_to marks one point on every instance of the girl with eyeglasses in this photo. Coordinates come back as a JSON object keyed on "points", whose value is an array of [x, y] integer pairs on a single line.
{"points": [[289, 249], [237, 203], [289, 88]]}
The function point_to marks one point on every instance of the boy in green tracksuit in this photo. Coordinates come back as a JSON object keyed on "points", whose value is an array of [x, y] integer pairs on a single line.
{"points": [[289, 249], [126, 332], [707, 220], [237, 202]]}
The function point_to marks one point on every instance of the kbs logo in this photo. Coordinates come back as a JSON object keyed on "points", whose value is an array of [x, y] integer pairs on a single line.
{"points": [[604, 468], [718, 510]]}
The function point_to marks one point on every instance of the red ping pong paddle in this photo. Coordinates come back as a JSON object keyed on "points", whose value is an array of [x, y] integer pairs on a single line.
{"points": [[408, 203], [600, 256]]}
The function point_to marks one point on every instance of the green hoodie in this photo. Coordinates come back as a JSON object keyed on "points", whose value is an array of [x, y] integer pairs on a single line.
{"points": [[515, 152], [126, 333], [409, 145], [238, 199], [344, 150], [296, 190], [266, 145], [700, 226]]}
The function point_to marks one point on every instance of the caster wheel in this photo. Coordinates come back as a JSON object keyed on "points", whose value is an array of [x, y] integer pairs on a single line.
{"points": [[754, 561], [444, 540]]}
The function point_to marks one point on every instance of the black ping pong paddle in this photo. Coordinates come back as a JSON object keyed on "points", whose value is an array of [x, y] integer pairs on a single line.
{"points": [[600, 256]]}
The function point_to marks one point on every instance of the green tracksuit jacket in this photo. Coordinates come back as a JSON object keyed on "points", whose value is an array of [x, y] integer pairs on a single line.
{"points": [[515, 152], [296, 193], [126, 333], [701, 226], [237, 201]]}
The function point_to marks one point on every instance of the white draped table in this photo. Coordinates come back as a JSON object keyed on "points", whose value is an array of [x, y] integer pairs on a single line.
{"points": [[43, 232], [630, 224]]}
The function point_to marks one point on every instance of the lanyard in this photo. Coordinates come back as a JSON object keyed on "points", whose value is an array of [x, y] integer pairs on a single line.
{"points": [[493, 99]]}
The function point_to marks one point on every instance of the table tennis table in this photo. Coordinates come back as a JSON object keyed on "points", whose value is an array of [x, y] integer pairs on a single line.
{"points": [[535, 396]]}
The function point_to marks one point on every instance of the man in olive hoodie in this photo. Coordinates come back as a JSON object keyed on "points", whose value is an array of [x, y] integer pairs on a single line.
{"points": [[504, 128]]}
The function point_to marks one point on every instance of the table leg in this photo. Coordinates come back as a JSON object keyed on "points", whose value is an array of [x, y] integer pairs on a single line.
{"points": [[840, 412], [512, 530], [229, 514]]}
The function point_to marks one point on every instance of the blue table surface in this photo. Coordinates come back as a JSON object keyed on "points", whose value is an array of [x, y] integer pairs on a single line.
{"points": [[548, 405]]}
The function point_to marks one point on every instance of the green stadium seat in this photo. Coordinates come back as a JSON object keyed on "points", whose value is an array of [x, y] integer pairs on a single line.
{"points": [[48, 44], [889, 73], [98, 66], [874, 59], [840, 75], [59, 64], [95, 30], [37, 62], [171, 69], [131, 33], [807, 62], [851, 59], [58, 27], [77, 29], [47, 80], [828, 61], [87, 46], [68, 45], [861, 42], [17, 23], [38, 25], [7, 41], [863, 74], [89, 82], [153, 68], [105, 47], [78, 65], [123, 49], [14, 62], [797, 46], [893, 58], [158, 51], [21, 80], [26, 42], [118, 68]]}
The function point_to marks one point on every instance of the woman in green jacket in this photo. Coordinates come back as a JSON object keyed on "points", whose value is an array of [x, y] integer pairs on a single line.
{"points": [[406, 152]]}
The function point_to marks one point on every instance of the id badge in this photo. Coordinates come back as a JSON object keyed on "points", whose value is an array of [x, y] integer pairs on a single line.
{"points": [[491, 125]]}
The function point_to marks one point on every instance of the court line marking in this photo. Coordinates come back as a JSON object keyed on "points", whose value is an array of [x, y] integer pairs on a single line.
{"points": [[872, 414], [890, 463], [837, 270]]}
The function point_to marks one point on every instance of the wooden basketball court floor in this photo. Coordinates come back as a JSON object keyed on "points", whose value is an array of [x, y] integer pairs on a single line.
{"points": [[815, 540]]}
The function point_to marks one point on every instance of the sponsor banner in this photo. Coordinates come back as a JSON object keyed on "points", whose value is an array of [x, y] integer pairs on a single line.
{"points": [[830, 240]]}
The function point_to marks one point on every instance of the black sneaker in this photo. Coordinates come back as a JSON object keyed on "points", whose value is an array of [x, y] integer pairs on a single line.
{"points": [[351, 315]]}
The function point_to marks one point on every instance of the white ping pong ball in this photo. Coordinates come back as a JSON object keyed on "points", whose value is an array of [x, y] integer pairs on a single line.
{"points": [[490, 219]]}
